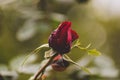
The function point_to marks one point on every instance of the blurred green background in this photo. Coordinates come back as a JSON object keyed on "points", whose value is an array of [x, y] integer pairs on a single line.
{"points": [[27, 24]]}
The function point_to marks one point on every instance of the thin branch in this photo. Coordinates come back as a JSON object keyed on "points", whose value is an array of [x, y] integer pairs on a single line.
{"points": [[44, 67], [41, 76]]}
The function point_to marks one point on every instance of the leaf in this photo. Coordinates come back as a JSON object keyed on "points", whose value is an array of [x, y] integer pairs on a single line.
{"points": [[66, 57], [94, 52]]}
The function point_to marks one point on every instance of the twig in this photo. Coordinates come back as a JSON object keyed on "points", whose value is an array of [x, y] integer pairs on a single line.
{"points": [[44, 67], [41, 76]]}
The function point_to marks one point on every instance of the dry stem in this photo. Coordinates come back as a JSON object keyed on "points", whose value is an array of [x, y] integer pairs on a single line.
{"points": [[44, 67]]}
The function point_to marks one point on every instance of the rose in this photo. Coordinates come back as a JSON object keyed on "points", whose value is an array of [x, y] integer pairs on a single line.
{"points": [[61, 39]]}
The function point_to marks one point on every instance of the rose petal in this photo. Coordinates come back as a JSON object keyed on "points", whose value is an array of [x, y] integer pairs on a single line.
{"points": [[62, 33], [64, 25], [69, 36], [74, 35], [60, 40]]}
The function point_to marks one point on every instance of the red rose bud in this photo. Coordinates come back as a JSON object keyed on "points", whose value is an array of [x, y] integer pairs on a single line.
{"points": [[60, 65], [61, 39]]}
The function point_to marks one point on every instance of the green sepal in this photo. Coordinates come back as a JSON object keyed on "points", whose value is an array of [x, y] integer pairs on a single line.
{"points": [[49, 54], [77, 43], [94, 52], [40, 47], [66, 57], [34, 52]]}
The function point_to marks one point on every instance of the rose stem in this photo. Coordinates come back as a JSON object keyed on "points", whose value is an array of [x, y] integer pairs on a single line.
{"points": [[44, 67], [41, 76]]}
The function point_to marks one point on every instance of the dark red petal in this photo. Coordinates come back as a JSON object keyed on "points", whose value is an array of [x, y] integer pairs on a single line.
{"points": [[62, 32], [74, 35], [61, 39], [69, 36], [64, 25]]}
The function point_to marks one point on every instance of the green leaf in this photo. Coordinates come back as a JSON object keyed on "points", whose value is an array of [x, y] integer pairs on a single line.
{"points": [[94, 52], [66, 57]]}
